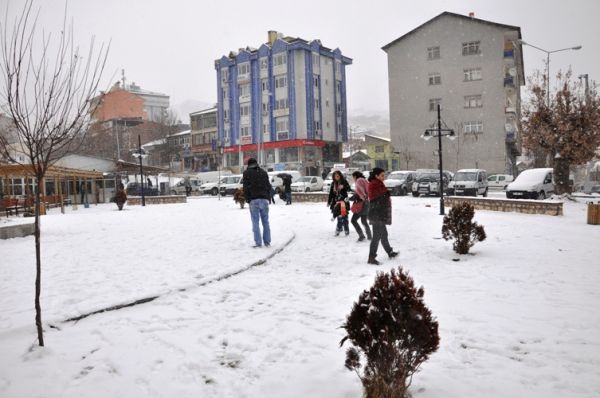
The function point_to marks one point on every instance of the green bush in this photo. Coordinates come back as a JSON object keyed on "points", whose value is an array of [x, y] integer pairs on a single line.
{"points": [[459, 225]]}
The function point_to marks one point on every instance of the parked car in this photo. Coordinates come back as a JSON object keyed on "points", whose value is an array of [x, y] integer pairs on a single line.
{"points": [[427, 183], [531, 184], [499, 181], [595, 190], [231, 184], [470, 182], [400, 182], [308, 184], [276, 182], [135, 189], [212, 188], [180, 187]]}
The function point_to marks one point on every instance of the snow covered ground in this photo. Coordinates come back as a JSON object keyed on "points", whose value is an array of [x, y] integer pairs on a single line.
{"points": [[518, 318]]}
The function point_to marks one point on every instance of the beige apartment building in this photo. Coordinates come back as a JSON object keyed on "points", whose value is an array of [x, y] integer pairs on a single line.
{"points": [[474, 69]]}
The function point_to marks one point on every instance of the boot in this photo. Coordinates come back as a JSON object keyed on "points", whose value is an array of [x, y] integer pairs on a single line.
{"points": [[337, 232], [392, 254], [373, 261], [361, 238]]}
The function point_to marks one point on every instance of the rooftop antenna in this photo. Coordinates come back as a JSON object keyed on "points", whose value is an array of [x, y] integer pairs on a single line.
{"points": [[123, 78]]}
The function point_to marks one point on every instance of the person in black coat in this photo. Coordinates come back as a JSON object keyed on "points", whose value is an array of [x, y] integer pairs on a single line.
{"points": [[257, 191], [287, 188], [380, 214], [338, 202]]}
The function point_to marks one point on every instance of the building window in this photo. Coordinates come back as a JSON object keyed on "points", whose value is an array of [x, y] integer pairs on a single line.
{"points": [[338, 68], [326, 103], [315, 60], [224, 74], [316, 105], [244, 110], [266, 128], [433, 103], [471, 48], [339, 127], [473, 101], [327, 124], [433, 53], [316, 81], [245, 131], [244, 89], [379, 149], [282, 103], [264, 84], [264, 63], [326, 82], [224, 94], [280, 59], [338, 88], [472, 74], [243, 69], [288, 155], [280, 82], [265, 108], [225, 112], [317, 125], [435, 79], [473, 127]]}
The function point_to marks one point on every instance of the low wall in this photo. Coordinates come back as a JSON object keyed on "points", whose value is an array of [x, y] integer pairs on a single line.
{"points": [[16, 231], [550, 208], [309, 197], [156, 200]]}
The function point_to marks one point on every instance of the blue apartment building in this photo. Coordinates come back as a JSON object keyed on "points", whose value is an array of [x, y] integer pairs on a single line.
{"points": [[283, 104]]}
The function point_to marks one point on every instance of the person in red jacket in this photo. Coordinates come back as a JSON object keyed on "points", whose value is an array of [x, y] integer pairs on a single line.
{"points": [[380, 214]]}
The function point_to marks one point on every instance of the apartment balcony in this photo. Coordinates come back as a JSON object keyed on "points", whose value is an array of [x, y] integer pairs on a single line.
{"points": [[281, 112]]}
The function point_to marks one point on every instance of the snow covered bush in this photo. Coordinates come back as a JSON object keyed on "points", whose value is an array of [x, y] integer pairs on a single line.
{"points": [[393, 332], [459, 225]]}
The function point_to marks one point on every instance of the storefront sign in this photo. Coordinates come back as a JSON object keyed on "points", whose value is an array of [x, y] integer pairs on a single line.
{"points": [[276, 144]]}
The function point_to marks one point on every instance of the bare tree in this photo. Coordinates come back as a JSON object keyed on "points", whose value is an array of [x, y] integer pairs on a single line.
{"points": [[567, 128], [47, 87]]}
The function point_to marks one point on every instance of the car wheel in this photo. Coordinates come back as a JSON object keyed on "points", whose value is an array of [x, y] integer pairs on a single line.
{"points": [[542, 195], [485, 193], [415, 194], [508, 195], [173, 192], [307, 190]]}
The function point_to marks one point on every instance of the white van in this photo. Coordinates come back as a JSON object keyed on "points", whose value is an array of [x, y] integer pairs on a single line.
{"points": [[531, 184], [499, 181], [470, 182]]}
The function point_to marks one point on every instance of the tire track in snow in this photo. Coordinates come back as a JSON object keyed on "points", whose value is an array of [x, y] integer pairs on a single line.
{"points": [[177, 290]]}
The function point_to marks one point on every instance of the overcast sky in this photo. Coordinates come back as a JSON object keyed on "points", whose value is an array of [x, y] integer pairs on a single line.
{"points": [[170, 45]]}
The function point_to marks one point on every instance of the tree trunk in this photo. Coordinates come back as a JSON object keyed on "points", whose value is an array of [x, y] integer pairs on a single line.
{"points": [[561, 176], [38, 263]]}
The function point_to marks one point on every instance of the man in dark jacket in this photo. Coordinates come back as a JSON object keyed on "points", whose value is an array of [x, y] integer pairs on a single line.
{"points": [[257, 191], [287, 188]]}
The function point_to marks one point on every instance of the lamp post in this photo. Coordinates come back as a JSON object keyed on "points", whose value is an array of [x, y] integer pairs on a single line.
{"points": [[439, 132], [140, 154], [575, 48], [587, 86]]}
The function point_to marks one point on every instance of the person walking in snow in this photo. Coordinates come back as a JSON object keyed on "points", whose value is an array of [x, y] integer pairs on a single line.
{"points": [[287, 188], [257, 191], [360, 207], [380, 214], [338, 202]]}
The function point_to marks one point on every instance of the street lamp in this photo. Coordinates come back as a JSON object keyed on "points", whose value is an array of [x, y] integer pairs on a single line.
{"points": [[140, 154], [439, 132], [548, 63]]}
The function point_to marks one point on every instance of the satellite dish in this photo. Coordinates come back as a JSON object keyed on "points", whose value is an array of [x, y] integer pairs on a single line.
{"points": [[513, 71]]}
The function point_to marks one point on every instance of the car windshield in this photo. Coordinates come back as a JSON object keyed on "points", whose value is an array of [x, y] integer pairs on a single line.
{"points": [[232, 180], [397, 176], [465, 176], [305, 179], [429, 176]]}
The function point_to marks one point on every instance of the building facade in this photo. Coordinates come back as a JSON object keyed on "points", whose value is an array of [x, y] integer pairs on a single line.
{"points": [[204, 139], [474, 69], [381, 152], [284, 104]]}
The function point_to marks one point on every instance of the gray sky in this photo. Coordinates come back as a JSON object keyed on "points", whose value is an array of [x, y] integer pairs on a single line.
{"points": [[169, 46]]}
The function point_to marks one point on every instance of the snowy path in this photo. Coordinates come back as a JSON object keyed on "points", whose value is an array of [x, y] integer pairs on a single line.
{"points": [[517, 319]]}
